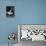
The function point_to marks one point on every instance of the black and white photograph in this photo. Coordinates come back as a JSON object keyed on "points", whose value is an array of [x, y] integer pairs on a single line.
{"points": [[10, 11]]}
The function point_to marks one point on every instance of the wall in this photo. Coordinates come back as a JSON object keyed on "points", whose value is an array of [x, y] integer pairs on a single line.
{"points": [[26, 12], [7, 25], [31, 11]]}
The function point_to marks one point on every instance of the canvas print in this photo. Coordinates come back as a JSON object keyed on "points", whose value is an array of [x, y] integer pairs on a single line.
{"points": [[33, 32], [10, 11]]}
